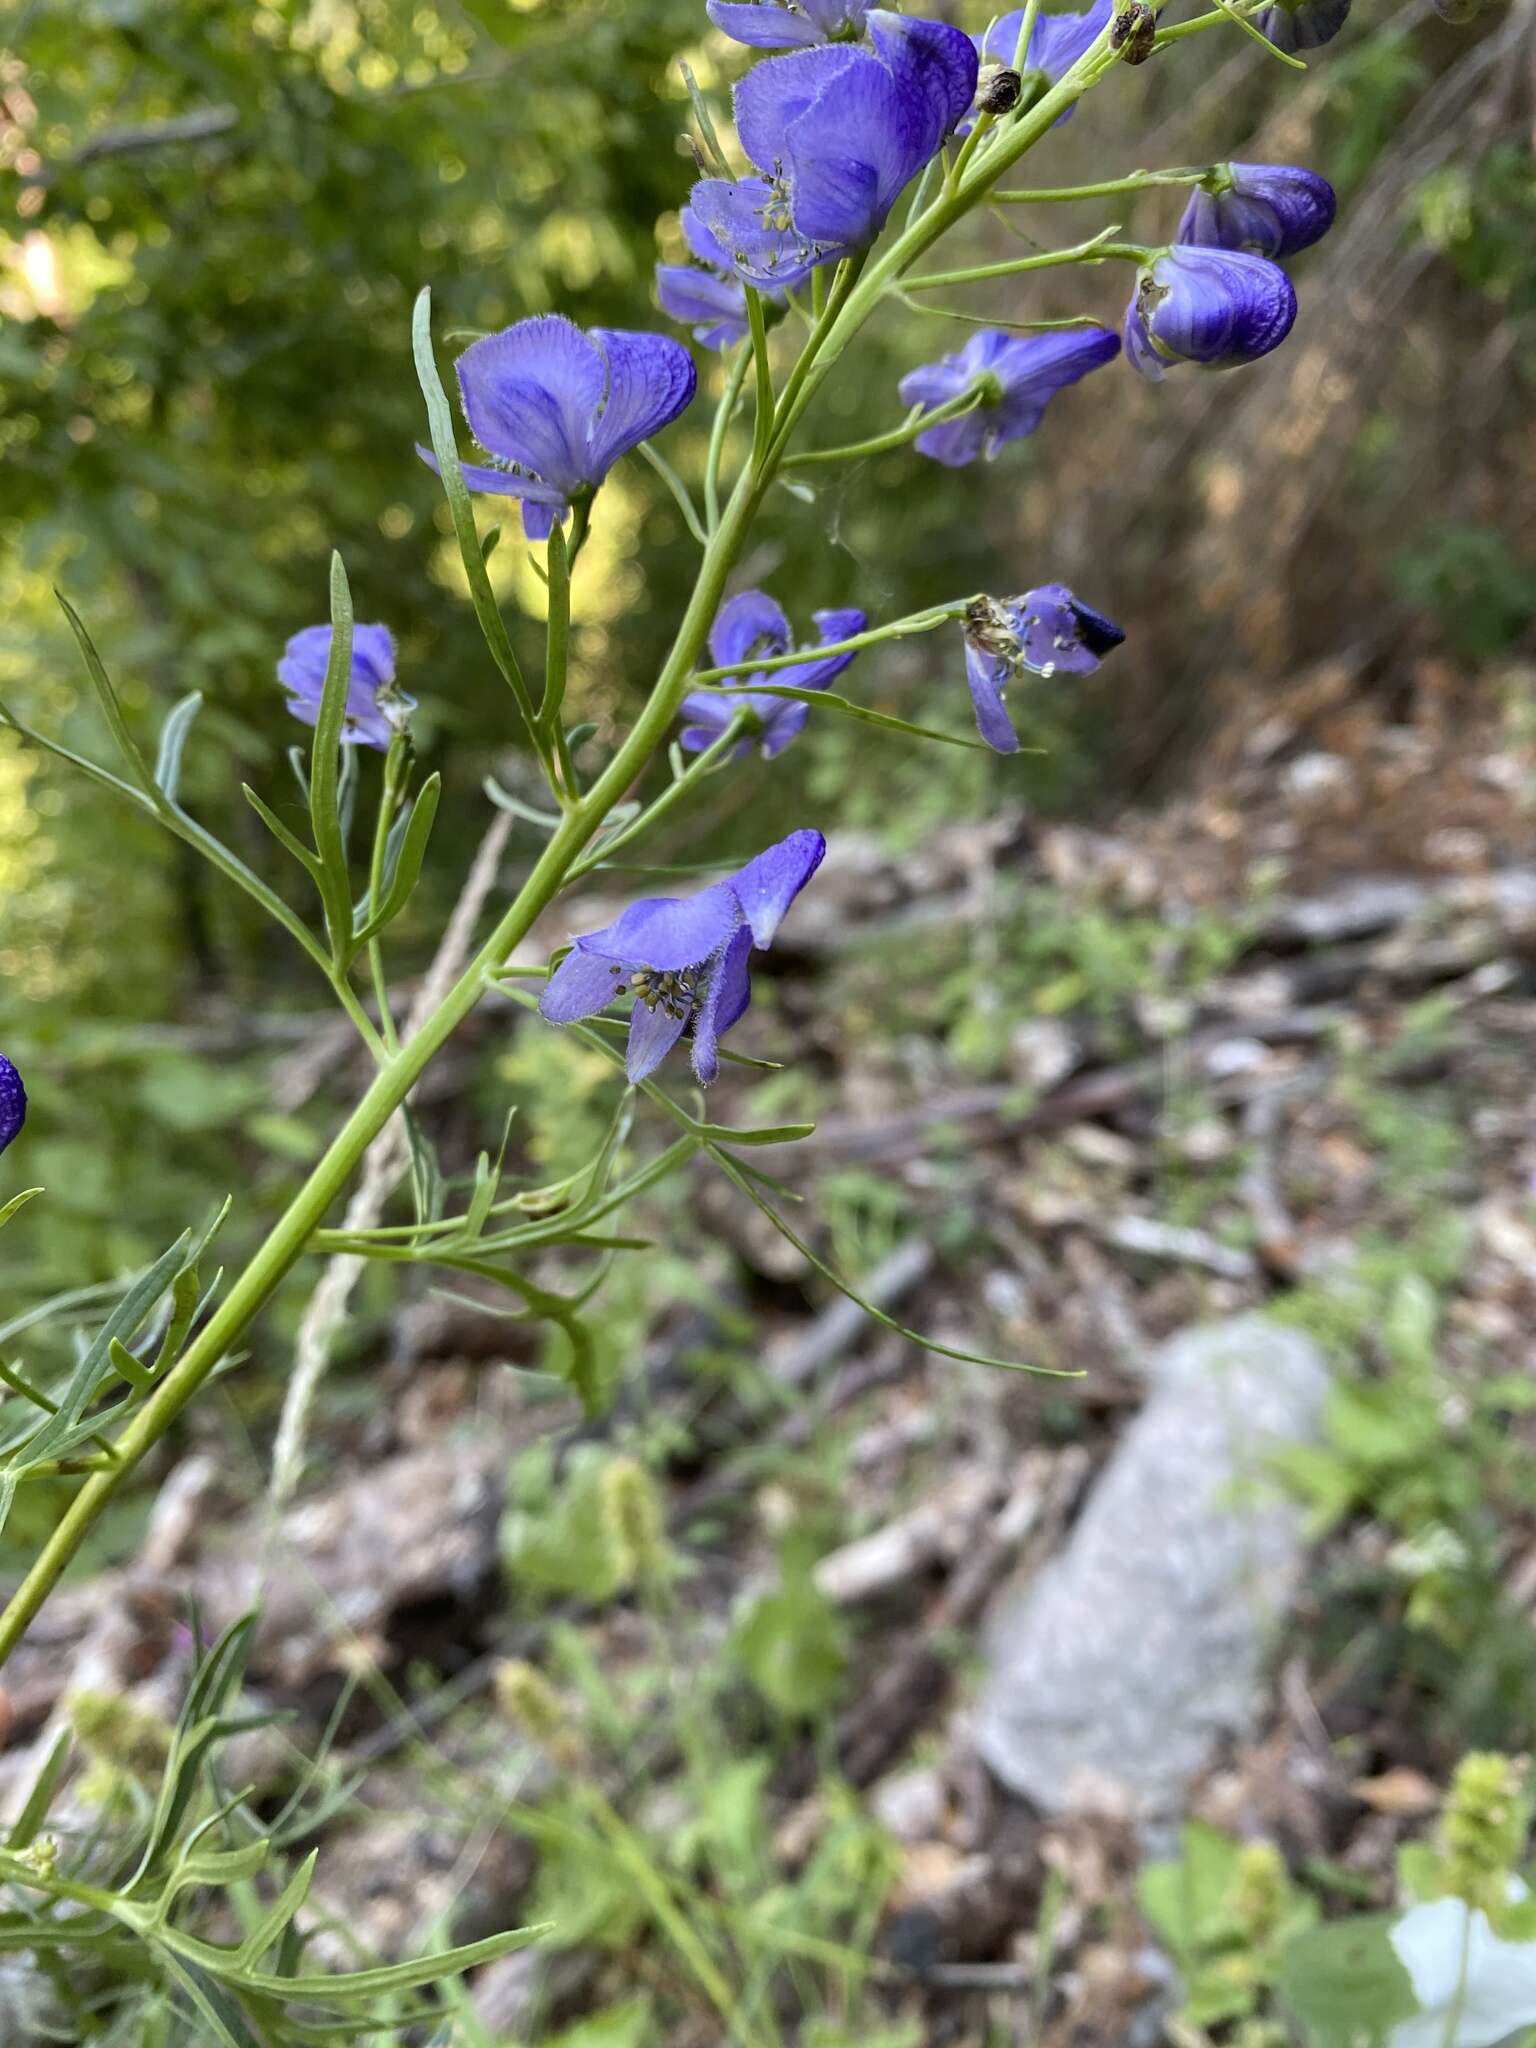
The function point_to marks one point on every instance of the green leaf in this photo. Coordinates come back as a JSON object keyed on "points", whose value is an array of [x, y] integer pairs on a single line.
{"points": [[270, 1928], [325, 768], [24, 1829], [16, 1204], [864, 713], [1344, 1983], [1189, 1900], [289, 841], [407, 872], [440, 427], [772, 1134], [173, 740], [793, 1645], [112, 711]]}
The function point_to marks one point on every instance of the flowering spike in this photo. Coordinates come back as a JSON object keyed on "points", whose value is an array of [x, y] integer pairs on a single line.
{"points": [[683, 959], [376, 709], [1216, 307], [13, 1102], [1272, 210], [1018, 375]]}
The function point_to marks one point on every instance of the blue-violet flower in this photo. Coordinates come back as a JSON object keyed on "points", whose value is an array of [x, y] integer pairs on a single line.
{"points": [[789, 24], [1217, 307], [1046, 631], [1293, 25], [1018, 376], [836, 133], [13, 1102], [684, 958], [376, 709], [556, 408], [748, 628], [712, 301], [1272, 209]]}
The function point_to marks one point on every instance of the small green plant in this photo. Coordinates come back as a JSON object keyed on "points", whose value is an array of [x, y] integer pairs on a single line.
{"points": [[1225, 1910]]}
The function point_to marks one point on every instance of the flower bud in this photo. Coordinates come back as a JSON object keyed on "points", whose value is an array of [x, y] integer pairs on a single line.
{"points": [[528, 1700], [1483, 1829], [633, 1521], [1273, 210], [1134, 30], [13, 1102], [1216, 307], [1293, 25], [998, 90]]}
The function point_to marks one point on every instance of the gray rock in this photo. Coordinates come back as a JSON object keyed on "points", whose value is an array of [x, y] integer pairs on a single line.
{"points": [[1137, 1650]]}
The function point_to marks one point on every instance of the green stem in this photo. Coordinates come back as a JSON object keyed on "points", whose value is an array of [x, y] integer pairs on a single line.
{"points": [[678, 488], [1108, 188], [1083, 252], [898, 629], [725, 412], [762, 419], [712, 757], [898, 437]]}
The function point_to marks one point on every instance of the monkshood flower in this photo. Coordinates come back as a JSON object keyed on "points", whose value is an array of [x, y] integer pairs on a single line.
{"points": [[1055, 43], [1047, 631], [1293, 25], [837, 134], [376, 709], [683, 958], [556, 408], [1217, 307], [752, 627], [712, 301], [1018, 376], [789, 24], [13, 1102], [1273, 209]]}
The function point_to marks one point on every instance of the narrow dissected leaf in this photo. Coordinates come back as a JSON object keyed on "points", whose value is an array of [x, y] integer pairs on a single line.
{"points": [[16, 1204], [401, 885], [290, 842], [24, 1830], [173, 739], [865, 714], [111, 709], [325, 767], [270, 1929]]}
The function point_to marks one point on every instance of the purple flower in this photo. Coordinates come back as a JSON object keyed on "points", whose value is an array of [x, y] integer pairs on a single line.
{"points": [[375, 708], [752, 627], [1293, 25], [1055, 44], [556, 408], [712, 301], [13, 1102], [1019, 376], [837, 134], [789, 24], [1047, 631], [1272, 209], [684, 958], [1217, 307]]}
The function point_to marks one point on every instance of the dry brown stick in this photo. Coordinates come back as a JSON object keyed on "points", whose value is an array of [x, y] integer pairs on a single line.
{"points": [[327, 1308]]}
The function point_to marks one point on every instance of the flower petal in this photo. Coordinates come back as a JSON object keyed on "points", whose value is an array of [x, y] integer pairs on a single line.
{"points": [[748, 625], [1213, 306], [530, 394], [13, 1101], [726, 996], [761, 25], [1293, 25], [746, 216], [850, 158], [714, 307], [931, 60], [988, 675], [785, 722], [652, 1035], [768, 885], [1060, 39], [1061, 634], [651, 379], [583, 984], [1273, 210], [501, 483], [373, 655], [669, 933], [775, 94], [816, 675]]}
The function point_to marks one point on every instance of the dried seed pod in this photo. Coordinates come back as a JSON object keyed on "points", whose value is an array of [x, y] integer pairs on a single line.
{"points": [[1133, 32], [998, 90]]}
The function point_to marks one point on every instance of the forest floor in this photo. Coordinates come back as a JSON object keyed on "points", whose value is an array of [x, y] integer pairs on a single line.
{"points": [[1269, 1048]]}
